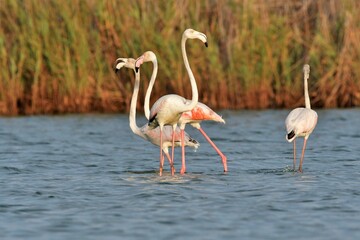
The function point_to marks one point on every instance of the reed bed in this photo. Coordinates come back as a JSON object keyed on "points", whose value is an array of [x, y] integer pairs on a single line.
{"points": [[57, 56]]}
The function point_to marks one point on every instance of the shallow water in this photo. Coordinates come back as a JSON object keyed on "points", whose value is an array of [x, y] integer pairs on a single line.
{"points": [[89, 177]]}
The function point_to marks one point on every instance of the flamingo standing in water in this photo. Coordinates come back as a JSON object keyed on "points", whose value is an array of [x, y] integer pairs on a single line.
{"points": [[152, 134], [301, 121], [167, 110], [199, 113]]}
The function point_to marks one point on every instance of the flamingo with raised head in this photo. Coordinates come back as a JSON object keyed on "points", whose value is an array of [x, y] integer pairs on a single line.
{"points": [[199, 113], [152, 134], [301, 121], [167, 110]]}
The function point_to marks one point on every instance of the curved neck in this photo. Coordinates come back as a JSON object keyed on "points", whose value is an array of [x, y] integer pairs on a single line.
{"points": [[149, 89], [195, 96], [132, 115], [306, 93]]}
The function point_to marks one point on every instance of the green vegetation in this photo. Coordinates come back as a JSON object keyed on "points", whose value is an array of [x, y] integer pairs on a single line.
{"points": [[57, 56]]}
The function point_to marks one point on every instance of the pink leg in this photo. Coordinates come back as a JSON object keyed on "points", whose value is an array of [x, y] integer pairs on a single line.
{"points": [[172, 148], [294, 163], [161, 153], [162, 163], [223, 157], [302, 155], [183, 167], [172, 168]]}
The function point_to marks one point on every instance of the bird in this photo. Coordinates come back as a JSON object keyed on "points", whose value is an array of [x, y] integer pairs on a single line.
{"points": [[200, 112], [167, 110], [152, 134], [301, 121]]}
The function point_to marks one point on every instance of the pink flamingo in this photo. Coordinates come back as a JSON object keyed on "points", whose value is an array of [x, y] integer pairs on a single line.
{"points": [[201, 112], [167, 110], [194, 117], [152, 134], [301, 121]]}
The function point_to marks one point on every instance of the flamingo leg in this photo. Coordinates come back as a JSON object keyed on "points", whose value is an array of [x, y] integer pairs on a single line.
{"points": [[162, 163], [302, 155], [172, 168], [223, 157], [294, 163], [161, 153], [183, 167], [172, 149]]}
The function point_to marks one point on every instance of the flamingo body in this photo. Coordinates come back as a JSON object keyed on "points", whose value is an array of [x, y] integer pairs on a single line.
{"points": [[200, 112], [164, 111], [300, 122], [153, 136]]}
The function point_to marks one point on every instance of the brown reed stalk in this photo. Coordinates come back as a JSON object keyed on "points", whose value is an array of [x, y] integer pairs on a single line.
{"points": [[57, 56]]}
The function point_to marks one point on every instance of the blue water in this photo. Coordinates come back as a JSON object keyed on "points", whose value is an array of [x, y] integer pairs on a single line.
{"points": [[89, 177]]}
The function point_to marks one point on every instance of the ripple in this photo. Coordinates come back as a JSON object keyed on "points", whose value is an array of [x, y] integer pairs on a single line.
{"points": [[12, 169], [277, 171], [88, 187]]}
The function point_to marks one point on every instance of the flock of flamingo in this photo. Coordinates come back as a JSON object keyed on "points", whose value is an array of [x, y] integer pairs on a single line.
{"points": [[169, 115]]}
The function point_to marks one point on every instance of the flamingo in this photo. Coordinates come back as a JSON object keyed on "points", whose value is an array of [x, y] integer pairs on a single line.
{"points": [[201, 112], [152, 134], [301, 121], [194, 117], [167, 110]]}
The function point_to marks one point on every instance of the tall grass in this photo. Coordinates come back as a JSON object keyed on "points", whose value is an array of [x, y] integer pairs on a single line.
{"points": [[57, 56]]}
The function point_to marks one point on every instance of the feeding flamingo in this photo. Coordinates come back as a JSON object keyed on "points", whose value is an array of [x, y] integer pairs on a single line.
{"points": [[167, 110], [301, 121], [152, 134], [199, 113]]}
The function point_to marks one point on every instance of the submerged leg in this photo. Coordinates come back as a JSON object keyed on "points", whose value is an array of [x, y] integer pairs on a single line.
{"points": [[294, 163], [183, 166], [223, 157], [302, 155]]}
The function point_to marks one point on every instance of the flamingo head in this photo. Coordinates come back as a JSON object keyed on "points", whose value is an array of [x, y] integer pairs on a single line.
{"points": [[148, 56], [306, 70], [192, 34], [124, 62]]}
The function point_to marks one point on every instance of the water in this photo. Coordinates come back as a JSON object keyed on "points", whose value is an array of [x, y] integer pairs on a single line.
{"points": [[88, 177]]}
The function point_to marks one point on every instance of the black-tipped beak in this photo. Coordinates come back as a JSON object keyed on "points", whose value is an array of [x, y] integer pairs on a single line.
{"points": [[206, 44], [136, 69], [116, 70]]}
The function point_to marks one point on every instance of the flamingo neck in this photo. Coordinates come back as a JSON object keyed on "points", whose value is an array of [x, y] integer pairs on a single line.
{"points": [[149, 89], [132, 116], [195, 95], [306, 93]]}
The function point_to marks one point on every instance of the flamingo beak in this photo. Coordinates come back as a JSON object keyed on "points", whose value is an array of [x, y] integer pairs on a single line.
{"points": [[119, 63], [138, 62], [206, 44]]}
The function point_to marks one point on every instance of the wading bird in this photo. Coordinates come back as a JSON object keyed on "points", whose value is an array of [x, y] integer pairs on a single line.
{"points": [[301, 121], [153, 134], [167, 110], [199, 113]]}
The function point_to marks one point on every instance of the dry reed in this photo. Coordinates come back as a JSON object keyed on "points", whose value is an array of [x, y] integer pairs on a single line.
{"points": [[57, 56]]}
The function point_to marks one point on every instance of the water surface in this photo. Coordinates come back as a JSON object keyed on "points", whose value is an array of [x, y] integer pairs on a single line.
{"points": [[89, 177]]}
